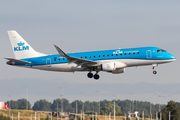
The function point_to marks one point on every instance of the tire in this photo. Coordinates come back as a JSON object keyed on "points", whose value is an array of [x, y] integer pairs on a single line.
{"points": [[154, 72], [96, 76], [89, 75]]}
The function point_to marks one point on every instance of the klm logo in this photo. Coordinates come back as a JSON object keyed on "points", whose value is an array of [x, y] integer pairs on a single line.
{"points": [[108, 67], [21, 47], [118, 52]]}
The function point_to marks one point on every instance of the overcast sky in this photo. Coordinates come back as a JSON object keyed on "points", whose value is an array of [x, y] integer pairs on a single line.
{"points": [[91, 25]]}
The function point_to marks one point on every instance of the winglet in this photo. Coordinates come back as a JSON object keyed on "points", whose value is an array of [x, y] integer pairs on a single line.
{"points": [[60, 51]]}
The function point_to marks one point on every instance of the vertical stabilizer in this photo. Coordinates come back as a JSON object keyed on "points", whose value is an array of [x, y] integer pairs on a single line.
{"points": [[20, 47]]}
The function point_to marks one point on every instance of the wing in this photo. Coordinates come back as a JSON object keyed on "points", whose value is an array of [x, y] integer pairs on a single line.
{"points": [[78, 61]]}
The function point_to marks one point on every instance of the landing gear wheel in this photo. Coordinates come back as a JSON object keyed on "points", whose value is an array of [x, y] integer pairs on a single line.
{"points": [[96, 76], [154, 72], [90, 75]]}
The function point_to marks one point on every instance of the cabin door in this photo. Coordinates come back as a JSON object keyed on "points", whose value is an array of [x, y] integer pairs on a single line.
{"points": [[148, 54], [48, 62]]}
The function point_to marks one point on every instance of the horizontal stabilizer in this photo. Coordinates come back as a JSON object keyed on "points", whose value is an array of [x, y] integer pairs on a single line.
{"points": [[18, 61]]}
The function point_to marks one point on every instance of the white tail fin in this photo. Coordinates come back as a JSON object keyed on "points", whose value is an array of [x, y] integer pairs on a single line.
{"points": [[20, 47]]}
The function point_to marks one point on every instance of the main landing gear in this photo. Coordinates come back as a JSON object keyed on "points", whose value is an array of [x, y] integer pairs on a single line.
{"points": [[154, 71], [90, 75]]}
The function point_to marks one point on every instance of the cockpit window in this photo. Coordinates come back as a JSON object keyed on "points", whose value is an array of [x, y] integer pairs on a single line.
{"points": [[161, 50], [158, 51]]}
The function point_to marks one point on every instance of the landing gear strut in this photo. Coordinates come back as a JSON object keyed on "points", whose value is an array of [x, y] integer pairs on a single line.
{"points": [[154, 71], [90, 75]]}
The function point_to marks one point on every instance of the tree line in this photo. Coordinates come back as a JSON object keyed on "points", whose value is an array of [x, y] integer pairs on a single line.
{"points": [[106, 107], [123, 106]]}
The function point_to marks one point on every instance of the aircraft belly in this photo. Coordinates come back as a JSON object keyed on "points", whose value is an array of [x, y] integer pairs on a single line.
{"points": [[55, 67], [139, 62], [60, 67]]}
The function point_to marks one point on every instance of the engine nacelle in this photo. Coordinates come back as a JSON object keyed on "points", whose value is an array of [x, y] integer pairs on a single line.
{"points": [[118, 71], [114, 67], [107, 66]]}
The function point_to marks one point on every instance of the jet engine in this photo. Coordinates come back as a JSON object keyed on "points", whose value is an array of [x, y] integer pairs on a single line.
{"points": [[107, 66], [114, 67]]}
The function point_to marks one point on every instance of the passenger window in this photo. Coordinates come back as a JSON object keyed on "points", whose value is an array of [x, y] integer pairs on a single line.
{"points": [[55, 59], [137, 52], [133, 53], [121, 54], [129, 53], [124, 53], [85, 57], [99, 56], [116, 54], [81, 57], [108, 55], [112, 55], [103, 55], [59, 59], [63, 58], [94, 56], [89, 56]]}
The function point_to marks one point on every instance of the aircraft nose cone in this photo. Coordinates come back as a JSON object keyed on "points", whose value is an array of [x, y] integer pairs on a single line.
{"points": [[173, 57]]}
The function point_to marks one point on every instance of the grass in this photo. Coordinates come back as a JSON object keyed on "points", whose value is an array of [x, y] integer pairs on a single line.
{"points": [[26, 115], [101, 117]]}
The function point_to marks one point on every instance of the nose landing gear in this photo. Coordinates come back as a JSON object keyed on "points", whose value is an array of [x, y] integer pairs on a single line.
{"points": [[90, 75], [154, 71]]}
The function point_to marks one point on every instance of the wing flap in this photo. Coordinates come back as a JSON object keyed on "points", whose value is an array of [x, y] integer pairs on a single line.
{"points": [[18, 61]]}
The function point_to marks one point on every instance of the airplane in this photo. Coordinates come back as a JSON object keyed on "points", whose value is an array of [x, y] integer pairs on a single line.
{"points": [[113, 61]]}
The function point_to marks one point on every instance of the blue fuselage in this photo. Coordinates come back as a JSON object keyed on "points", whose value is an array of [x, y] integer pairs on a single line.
{"points": [[142, 53], [113, 61]]}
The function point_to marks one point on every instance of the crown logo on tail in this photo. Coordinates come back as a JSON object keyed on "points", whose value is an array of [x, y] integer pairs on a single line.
{"points": [[20, 44], [21, 47]]}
